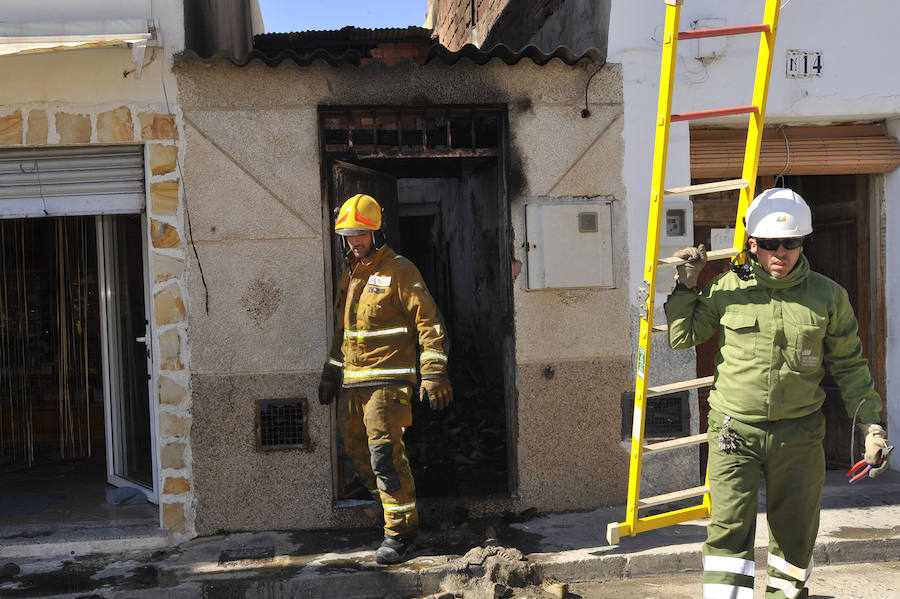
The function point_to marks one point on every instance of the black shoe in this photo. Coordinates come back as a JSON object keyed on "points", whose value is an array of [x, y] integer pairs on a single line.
{"points": [[394, 550]]}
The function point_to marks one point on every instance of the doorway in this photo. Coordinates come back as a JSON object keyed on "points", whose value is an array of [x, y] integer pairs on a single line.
{"points": [[75, 411], [839, 248], [437, 174]]}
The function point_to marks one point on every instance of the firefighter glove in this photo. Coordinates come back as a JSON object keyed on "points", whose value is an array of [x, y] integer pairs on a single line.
{"points": [[328, 390], [437, 392], [687, 273], [877, 449]]}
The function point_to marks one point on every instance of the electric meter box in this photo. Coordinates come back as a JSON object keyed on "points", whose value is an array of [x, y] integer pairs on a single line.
{"points": [[677, 226], [569, 243]]}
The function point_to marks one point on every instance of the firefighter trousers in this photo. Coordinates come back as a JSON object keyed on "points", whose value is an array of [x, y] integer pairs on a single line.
{"points": [[788, 455], [371, 423]]}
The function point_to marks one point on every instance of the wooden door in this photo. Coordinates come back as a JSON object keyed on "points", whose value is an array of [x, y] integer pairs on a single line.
{"points": [[350, 179], [347, 180]]}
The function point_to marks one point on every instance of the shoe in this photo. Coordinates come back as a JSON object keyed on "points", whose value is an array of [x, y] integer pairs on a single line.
{"points": [[394, 550]]}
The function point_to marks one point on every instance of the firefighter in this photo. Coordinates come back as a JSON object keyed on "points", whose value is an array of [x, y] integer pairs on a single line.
{"points": [[386, 329], [781, 325]]}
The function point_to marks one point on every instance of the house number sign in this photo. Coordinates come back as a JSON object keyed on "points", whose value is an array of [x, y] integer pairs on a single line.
{"points": [[802, 63]]}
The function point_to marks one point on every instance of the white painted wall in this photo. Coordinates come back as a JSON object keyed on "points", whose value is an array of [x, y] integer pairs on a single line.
{"points": [[96, 76], [857, 41], [892, 292]]}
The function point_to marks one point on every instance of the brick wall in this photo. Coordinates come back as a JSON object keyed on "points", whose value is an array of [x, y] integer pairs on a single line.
{"points": [[393, 52], [512, 22]]}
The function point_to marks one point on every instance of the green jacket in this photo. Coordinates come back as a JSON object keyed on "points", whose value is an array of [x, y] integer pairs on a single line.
{"points": [[777, 336]]}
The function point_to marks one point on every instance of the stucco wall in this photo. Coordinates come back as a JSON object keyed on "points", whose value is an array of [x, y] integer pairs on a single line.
{"points": [[852, 88], [253, 183]]}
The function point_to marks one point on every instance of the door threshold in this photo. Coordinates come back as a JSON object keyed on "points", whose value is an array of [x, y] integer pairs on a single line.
{"points": [[82, 538]]}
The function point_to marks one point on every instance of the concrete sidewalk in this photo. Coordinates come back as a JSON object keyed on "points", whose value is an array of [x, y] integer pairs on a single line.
{"points": [[860, 523]]}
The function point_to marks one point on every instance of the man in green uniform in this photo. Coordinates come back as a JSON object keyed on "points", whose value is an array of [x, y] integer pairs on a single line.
{"points": [[386, 330], [780, 326]]}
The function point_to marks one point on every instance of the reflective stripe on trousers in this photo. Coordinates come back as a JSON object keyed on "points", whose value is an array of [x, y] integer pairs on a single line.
{"points": [[788, 454], [371, 421]]}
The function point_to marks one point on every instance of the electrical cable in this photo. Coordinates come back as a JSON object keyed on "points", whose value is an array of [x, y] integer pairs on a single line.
{"points": [[586, 112], [853, 430], [787, 159]]}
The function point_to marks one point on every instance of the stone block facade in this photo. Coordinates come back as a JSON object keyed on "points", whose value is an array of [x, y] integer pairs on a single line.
{"points": [[156, 129]]}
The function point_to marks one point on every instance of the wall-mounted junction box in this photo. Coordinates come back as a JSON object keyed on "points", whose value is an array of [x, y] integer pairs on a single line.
{"points": [[569, 242]]}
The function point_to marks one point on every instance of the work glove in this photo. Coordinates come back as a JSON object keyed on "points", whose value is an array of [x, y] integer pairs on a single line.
{"points": [[328, 390], [687, 273], [877, 448], [437, 392]]}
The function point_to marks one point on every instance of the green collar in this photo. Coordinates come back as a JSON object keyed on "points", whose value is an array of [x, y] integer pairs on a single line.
{"points": [[795, 277]]}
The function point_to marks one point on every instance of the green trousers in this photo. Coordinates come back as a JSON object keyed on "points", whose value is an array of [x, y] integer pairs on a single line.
{"points": [[788, 454], [371, 422]]}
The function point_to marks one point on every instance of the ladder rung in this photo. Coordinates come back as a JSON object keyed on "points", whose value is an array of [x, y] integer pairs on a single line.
{"points": [[717, 31], [675, 496], [682, 386], [677, 443], [710, 255], [660, 328], [708, 114], [714, 187]]}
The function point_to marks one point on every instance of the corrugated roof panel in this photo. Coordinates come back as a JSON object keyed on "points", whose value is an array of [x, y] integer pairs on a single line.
{"points": [[319, 38], [435, 52]]}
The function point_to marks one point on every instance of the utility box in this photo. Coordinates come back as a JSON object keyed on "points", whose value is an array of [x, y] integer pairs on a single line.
{"points": [[569, 243], [677, 227]]}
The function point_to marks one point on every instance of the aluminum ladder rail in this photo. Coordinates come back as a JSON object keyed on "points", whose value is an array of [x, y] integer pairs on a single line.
{"points": [[633, 523]]}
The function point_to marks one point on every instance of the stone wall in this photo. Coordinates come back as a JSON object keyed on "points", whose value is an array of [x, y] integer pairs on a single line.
{"points": [[158, 131]]}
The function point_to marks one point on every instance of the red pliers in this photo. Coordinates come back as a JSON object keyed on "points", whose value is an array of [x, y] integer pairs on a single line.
{"points": [[861, 468]]}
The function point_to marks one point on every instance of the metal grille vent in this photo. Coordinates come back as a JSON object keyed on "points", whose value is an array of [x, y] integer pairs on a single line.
{"points": [[668, 416], [281, 424], [411, 132]]}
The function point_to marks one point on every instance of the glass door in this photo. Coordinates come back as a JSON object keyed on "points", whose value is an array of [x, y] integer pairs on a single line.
{"points": [[130, 435]]}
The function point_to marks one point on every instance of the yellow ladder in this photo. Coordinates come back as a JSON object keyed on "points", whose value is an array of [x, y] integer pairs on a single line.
{"points": [[633, 523]]}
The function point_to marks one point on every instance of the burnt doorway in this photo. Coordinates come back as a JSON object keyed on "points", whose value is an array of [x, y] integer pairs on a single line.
{"points": [[839, 248], [450, 219]]}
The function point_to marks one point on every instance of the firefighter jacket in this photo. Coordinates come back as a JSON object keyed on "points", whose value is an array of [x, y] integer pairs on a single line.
{"points": [[383, 315], [776, 338]]}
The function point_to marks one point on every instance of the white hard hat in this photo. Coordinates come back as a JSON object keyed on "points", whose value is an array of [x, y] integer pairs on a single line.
{"points": [[778, 213]]}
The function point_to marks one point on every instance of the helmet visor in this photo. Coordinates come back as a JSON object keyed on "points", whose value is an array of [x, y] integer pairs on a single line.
{"points": [[352, 232]]}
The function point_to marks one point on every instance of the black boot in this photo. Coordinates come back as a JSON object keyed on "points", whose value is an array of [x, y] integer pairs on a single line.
{"points": [[394, 550]]}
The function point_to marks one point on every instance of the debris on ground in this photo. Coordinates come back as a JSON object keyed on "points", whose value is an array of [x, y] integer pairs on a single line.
{"points": [[487, 572], [555, 587]]}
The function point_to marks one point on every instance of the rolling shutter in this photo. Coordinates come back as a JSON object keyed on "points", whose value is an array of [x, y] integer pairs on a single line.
{"points": [[71, 181], [838, 150]]}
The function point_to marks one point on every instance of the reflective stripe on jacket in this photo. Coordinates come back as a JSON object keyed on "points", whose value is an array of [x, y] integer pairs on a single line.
{"points": [[383, 314], [777, 336]]}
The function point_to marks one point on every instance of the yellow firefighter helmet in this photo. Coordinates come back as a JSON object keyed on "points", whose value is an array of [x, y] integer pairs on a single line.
{"points": [[359, 214]]}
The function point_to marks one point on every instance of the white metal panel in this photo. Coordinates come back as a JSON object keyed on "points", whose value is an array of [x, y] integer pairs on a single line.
{"points": [[569, 243], [71, 181]]}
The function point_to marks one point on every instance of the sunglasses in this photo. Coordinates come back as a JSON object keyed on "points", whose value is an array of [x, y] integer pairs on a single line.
{"points": [[770, 245]]}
